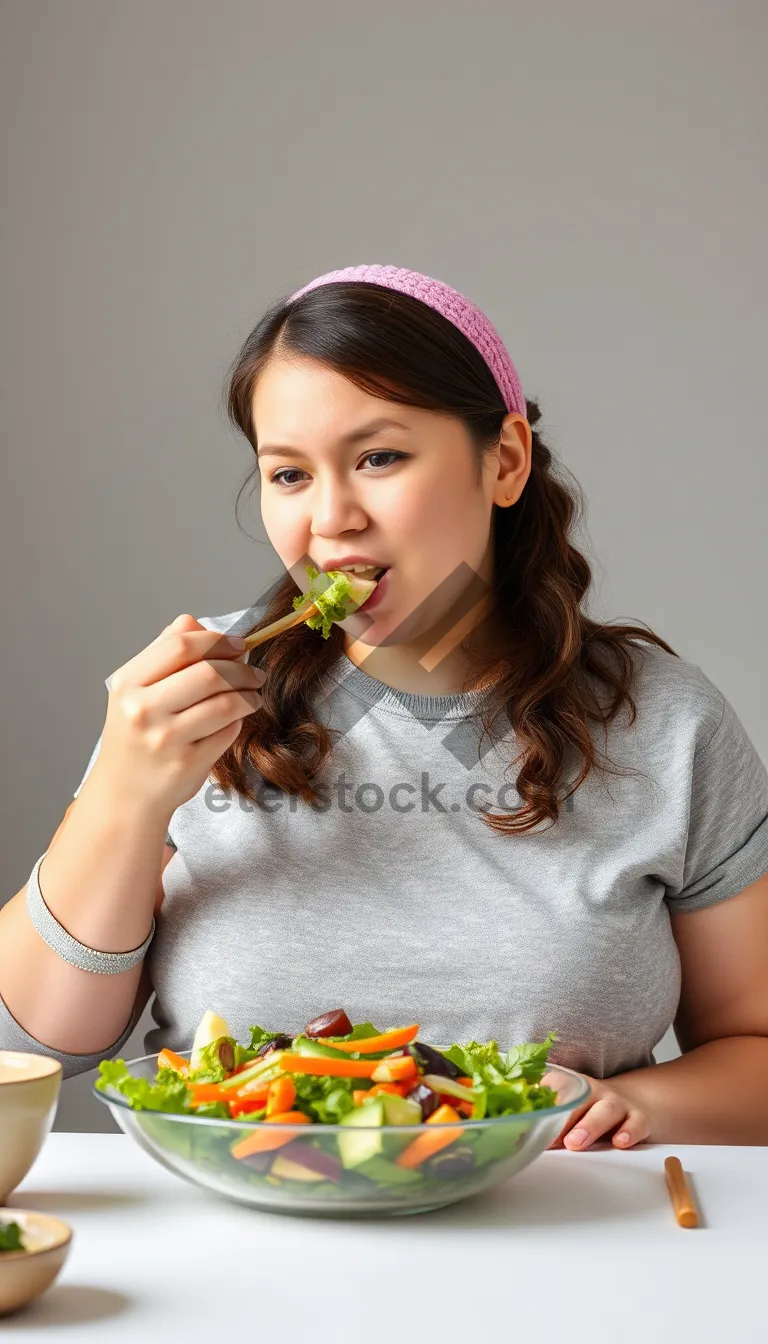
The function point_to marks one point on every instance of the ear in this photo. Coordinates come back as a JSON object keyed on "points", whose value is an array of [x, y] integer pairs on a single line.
{"points": [[514, 459]]}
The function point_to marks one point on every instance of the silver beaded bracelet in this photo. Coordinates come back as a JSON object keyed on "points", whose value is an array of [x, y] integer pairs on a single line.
{"points": [[67, 947]]}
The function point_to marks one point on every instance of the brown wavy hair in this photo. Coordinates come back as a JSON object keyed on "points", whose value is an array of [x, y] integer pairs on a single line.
{"points": [[555, 658]]}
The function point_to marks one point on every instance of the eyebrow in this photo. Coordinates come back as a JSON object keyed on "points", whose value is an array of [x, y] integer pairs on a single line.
{"points": [[354, 436]]}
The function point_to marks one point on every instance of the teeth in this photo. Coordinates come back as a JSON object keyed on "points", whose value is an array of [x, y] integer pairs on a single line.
{"points": [[360, 569]]}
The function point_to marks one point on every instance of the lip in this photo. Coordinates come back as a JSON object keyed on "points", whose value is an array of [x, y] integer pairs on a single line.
{"points": [[378, 594], [352, 560]]}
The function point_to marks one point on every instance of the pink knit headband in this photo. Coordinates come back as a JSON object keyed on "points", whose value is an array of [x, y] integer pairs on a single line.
{"points": [[459, 310]]}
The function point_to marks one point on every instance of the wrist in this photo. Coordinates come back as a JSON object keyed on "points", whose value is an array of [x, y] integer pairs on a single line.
{"points": [[117, 801]]}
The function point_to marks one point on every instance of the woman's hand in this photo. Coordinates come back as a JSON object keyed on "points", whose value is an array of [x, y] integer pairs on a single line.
{"points": [[172, 711], [606, 1112]]}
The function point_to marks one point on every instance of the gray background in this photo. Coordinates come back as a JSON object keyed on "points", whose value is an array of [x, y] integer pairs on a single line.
{"points": [[593, 176]]}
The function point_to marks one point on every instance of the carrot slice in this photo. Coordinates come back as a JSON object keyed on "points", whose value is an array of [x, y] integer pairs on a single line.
{"points": [[329, 1068], [281, 1096], [388, 1040], [396, 1070], [202, 1092], [443, 1115], [256, 1089], [168, 1059], [426, 1145], [394, 1089], [264, 1142]]}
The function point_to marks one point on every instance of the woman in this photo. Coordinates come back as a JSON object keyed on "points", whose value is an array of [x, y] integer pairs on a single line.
{"points": [[471, 806]]}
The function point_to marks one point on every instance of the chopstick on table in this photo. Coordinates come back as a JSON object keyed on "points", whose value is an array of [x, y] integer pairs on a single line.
{"points": [[682, 1200], [277, 627]]}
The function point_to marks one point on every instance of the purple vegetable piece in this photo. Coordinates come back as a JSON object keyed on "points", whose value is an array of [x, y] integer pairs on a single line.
{"points": [[427, 1099], [334, 1023], [257, 1161], [325, 1164], [446, 1165], [432, 1061], [281, 1042]]}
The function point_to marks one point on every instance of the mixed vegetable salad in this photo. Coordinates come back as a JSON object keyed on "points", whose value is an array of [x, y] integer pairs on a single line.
{"points": [[371, 1084], [336, 595]]}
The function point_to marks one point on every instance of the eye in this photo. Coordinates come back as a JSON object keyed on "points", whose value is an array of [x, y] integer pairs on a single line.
{"points": [[279, 476]]}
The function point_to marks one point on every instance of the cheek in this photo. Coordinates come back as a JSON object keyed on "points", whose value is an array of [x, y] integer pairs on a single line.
{"points": [[428, 508], [286, 533]]}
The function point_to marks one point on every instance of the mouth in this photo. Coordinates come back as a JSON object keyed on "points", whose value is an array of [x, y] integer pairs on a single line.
{"points": [[364, 571], [379, 591]]}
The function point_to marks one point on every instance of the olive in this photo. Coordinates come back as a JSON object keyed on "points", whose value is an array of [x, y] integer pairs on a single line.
{"points": [[335, 1023], [226, 1054], [280, 1042]]}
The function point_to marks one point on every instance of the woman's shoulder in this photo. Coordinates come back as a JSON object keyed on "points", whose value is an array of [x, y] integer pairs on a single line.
{"points": [[673, 694]]}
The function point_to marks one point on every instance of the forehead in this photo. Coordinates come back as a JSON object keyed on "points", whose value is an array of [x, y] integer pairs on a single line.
{"points": [[296, 395]]}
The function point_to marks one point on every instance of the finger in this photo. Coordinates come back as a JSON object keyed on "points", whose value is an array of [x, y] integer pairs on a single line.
{"points": [[176, 649], [604, 1115], [198, 684], [571, 1122], [635, 1129], [182, 622]]}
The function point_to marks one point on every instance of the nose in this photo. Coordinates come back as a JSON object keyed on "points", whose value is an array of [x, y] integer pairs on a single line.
{"points": [[335, 509]]}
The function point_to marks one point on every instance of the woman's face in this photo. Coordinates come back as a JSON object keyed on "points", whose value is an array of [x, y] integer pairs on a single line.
{"points": [[403, 495]]}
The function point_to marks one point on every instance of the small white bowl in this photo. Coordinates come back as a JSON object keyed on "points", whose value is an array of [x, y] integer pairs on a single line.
{"points": [[26, 1274], [29, 1095]]}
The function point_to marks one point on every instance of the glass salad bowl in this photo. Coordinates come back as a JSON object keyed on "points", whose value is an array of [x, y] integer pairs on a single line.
{"points": [[335, 1170]]}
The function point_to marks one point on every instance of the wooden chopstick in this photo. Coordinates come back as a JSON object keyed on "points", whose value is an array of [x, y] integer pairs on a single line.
{"points": [[277, 627], [682, 1201]]}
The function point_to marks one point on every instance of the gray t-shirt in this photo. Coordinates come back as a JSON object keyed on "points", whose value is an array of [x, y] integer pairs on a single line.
{"points": [[395, 901]]}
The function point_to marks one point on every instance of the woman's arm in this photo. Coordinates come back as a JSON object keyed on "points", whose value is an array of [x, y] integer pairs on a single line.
{"points": [[101, 878], [717, 1091]]}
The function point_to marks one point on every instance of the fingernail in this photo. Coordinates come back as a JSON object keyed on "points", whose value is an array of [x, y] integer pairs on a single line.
{"points": [[578, 1136], [623, 1137], [236, 641]]}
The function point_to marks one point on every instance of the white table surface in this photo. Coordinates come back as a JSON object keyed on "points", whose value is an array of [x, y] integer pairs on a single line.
{"points": [[580, 1247]]}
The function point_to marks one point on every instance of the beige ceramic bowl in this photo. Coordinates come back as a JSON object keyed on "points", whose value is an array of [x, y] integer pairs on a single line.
{"points": [[26, 1274], [29, 1094]]}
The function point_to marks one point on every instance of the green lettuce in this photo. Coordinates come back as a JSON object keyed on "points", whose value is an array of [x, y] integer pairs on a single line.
{"points": [[507, 1082], [10, 1237], [325, 1099], [168, 1092], [208, 1067], [361, 1031], [333, 595], [260, 1036]]}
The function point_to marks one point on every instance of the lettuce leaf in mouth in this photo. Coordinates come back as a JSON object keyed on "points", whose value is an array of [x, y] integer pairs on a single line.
{"points": [[334, 594]]}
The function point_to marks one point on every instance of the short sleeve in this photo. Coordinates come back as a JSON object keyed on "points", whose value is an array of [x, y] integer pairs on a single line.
{"points": [[92, 762], [14, 1037], [727, 840]]}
